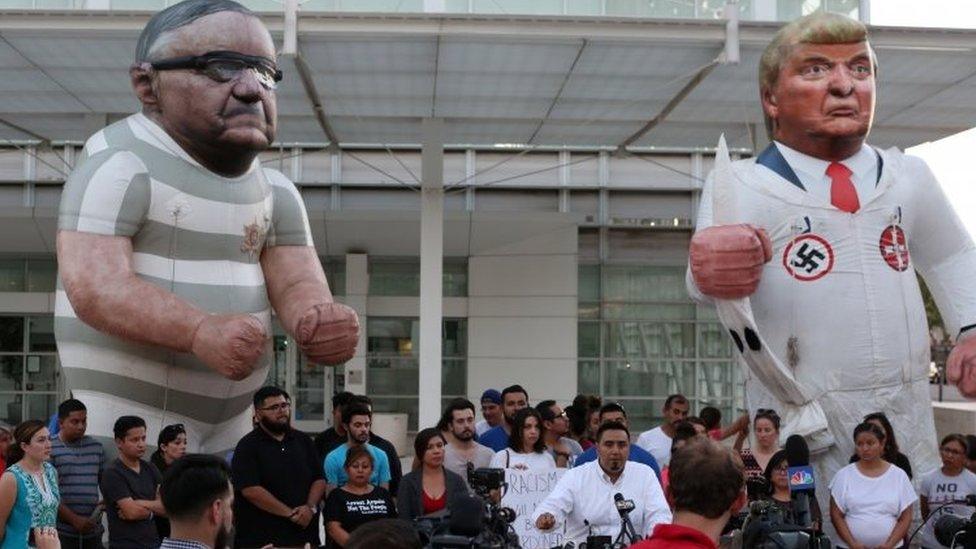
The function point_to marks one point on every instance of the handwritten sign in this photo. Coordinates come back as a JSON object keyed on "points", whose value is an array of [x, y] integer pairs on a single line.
{"points": [[526, 490]]}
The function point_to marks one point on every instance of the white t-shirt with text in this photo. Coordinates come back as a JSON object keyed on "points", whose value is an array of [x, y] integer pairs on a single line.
{"points": [[940, 489]]}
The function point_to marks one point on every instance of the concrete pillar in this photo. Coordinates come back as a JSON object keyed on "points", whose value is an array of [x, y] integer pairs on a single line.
{"points": [[431, 269], [357, 287]]}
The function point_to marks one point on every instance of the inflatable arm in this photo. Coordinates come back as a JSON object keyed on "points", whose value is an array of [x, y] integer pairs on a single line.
{"points": [[945, 256], [327, 332], [101, 285], [800, 412]]}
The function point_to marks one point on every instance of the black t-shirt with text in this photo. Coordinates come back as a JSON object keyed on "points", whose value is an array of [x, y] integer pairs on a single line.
{"points": [[353, 510]]}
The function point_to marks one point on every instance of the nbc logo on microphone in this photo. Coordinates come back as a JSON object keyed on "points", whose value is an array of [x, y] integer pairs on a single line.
{"points": [[801, 478]]}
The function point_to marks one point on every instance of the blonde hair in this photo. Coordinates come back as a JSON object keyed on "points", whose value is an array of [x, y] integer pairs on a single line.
{"points": [[815, 28]]}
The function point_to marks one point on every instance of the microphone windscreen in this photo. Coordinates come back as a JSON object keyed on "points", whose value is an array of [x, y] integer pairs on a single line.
{"points": [[618, 497], [797, 451], [466, 516]]}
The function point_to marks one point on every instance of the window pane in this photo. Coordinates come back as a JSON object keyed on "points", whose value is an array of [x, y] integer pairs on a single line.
{"points": [[12, 275], [42, 373], [713, 341], [11, 409], [392, 336], [41, 406], [589, 311], [589, 282], [649, 311], [401, 279], [454, 377], [644, 283], [41, 334], [647, 378], [454, 336], [335, 273], [276, 374], [716, 381], [42, 274], [649, 339], [406, 405], [11, 333], [641, 414], [309, 404], [588, 340], [11, 373], [455, 278], [391, 376], [588, 380]]}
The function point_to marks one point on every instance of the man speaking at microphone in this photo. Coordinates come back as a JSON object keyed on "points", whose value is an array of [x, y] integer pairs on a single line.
{"points": [[594, 498]]}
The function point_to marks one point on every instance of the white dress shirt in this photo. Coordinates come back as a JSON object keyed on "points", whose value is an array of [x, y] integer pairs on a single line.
{"points": [[583, 500], [812, 172]]}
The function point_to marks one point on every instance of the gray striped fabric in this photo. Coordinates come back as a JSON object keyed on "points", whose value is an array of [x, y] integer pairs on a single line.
{"points": [[194, 233]]}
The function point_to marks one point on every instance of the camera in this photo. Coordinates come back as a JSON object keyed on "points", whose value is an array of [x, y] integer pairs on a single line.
{"points": [[767, 526], [475, 521], [955, 531], [484, 480]]}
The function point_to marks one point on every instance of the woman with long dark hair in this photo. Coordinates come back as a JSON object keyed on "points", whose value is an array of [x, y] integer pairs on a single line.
{"points": [[765, 428], [779, 488], [526, 445], [29, 495], [870, 499], [170, 446], [429, 488], [892, 454]]}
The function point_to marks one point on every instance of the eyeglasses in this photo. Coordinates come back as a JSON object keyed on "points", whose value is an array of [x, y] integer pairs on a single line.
{"points": [[947, 450], [281, 406], [224, 66]]}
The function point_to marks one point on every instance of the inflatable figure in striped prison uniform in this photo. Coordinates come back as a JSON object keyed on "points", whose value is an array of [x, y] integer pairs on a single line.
{"points": [[175, 244]]}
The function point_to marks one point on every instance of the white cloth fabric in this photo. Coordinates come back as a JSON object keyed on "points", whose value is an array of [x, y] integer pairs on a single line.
{"points": [[657, 443], [940, 489], [481, 427], [585, 493], [812, 172], [871, 505], [510, 459], [861, 338]]}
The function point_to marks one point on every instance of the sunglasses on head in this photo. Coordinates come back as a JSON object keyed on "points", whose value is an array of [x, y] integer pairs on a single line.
{"points": [[224, 66]]}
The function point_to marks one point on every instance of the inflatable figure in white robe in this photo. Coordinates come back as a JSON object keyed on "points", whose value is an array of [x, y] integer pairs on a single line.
{"points": [[823, 304]]}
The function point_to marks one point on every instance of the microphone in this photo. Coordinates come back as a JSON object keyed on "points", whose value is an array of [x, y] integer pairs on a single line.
{"points": [[801, 479], [624, 507]]}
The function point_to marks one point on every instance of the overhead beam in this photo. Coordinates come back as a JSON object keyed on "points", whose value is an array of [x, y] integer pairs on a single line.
{"points": [[671, 105], [25, 131]]}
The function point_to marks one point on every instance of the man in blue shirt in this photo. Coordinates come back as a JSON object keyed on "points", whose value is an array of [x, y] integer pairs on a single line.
{"points": [[356, 420], [514, 398], [613, 411]]}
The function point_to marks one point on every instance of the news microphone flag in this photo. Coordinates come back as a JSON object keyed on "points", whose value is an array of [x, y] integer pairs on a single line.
{"points": [[800, 477]]}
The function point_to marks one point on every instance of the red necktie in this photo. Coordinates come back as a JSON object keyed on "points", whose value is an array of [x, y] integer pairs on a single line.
{"points": [[842, 192]]}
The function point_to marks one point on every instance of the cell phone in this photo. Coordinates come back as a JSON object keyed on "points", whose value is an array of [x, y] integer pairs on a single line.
{"points": [[96, 515]]}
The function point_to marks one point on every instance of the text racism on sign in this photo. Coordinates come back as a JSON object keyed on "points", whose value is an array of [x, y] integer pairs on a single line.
{"points": [[526, 489]]}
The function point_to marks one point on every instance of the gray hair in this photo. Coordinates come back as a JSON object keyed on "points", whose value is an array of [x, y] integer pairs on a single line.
{"points": [[177, 16]]}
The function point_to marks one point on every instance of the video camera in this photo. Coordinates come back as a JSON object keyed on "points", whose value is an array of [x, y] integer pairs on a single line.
{"points": [[955, 531], [475, 521]]}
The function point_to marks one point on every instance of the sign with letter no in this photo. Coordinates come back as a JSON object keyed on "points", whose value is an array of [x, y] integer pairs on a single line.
{"points": [[526, 490]]}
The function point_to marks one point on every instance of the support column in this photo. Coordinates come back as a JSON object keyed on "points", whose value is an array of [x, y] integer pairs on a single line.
{"points": [[431, 269], [357, 287]]}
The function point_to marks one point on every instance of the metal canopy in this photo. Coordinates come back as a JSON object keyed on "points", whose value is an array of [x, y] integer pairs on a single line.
{"points": [[509, 81]]}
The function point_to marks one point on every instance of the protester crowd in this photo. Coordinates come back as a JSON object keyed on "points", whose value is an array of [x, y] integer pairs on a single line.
{"points": [[682, 480]]}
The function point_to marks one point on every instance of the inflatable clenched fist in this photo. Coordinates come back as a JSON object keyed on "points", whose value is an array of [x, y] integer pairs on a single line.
{"points": [[961, 366], [230, 344], [328, 333], [727, 260]]}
